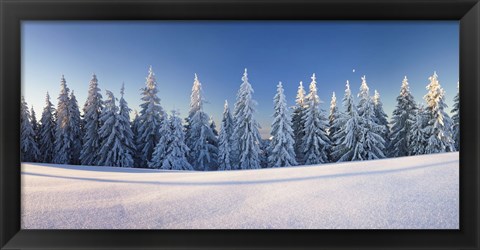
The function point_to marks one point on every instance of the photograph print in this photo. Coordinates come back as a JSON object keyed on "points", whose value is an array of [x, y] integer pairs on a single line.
{"points": [[240, 125]]}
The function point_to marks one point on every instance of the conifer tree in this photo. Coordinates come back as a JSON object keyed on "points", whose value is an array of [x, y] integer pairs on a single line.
{"points": [[297, 123], [402, 118], [126, 133], [246, 135], [438, 127], [63, 133], [347, 139], [456, 118], [333, 126], [176, 153], [35, 125], [150, 119], [214, 142], [381, 117], [92, 111], [264, 152], [47, 132], [135, 124], [281, 150], [225, 140], [315, 142], [160, 152], [111, 147], [28, 147], [76, 130], [201, 141], [372, 144], [418, 137]]}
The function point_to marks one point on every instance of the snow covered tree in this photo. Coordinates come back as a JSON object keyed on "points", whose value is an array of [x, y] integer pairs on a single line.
{"points": [[76, 130], [201, 141], [316, 143], [297, 123], [246, 136], [160, 152], [333, 126], [347, 138], [150, 119], [214, 142], [456, 118], [176, 153], [28, 147], [110, 146], [35, 125], [417, 137], [195, 100], [381, 117], [91, 116], [281, 150], [63, 133], [372, 144], [225, 140], [126, 133], [213, 126], [114, 150], [135, 124], [402, 118], [264, 153], [438, 127], [46, 136]]}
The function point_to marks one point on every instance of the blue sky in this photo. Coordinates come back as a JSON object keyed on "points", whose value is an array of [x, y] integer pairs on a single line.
{"points": [[218, 51]]}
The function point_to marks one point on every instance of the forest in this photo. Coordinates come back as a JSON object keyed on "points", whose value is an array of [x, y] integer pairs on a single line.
{"points": [[304, 134]]}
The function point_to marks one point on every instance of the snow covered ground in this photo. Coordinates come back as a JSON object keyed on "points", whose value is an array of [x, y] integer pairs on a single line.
{"points": [[419, 192]]}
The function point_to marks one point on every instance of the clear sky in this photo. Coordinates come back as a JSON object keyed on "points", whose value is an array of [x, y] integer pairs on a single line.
{"points": [[218, 51]]}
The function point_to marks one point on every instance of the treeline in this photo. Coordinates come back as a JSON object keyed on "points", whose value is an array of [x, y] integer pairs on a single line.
{"points": [[105, 136]]}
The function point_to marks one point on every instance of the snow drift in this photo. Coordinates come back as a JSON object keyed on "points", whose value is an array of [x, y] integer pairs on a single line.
{"points": [[419, 192]]}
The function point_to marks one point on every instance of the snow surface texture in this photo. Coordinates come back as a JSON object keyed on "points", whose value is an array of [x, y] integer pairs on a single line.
{"points": [[417, 192]]}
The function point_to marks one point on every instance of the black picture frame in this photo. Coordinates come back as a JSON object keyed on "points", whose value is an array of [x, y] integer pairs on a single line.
{"points": [[14, 11]]}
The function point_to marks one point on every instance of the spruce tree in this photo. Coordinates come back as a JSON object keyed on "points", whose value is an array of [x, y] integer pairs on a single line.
{"points": [[63, 133], [161, 149], [115, 149], [176, 152], [47, 132], [333, 126], [316, 144], [202, 141], [150, 119], [381, 117], [213, 141], [246, 136], [438, 127], [35, 125], [225, 140], [372, 144], [264, 152], [297, 123], [110, 147], [347, 139], [126, 133], [456, 118], [76, 130], [135, 124], [281, 150], [418, 137], [28, 147], [403, 115], [92, 111]]}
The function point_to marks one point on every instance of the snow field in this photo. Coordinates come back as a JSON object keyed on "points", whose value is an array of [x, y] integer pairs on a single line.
{"points": [[418, 192]]}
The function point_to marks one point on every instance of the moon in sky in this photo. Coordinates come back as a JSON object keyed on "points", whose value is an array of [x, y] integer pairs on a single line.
{"points": [[353, 70]]}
